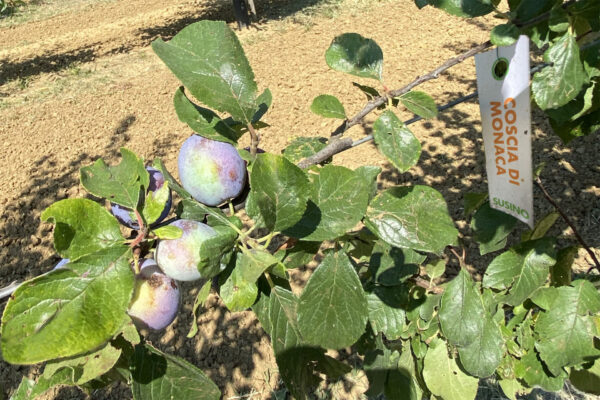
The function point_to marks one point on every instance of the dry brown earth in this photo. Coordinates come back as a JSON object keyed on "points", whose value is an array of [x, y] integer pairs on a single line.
{"points": [[78, 81]]}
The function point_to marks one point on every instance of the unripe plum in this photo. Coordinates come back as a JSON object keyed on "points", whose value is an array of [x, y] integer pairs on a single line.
{"points": [[179, 258], [127, 217], [155, 299], [211, 171]]}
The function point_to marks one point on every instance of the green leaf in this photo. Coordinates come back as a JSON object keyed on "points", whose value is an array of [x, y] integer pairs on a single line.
{"points": [[444, 378], [198, 211], [168, 232], [212, 249], [173, 184], [530, 369], [203, 121], [378, 363], [559, 19], [588, 379], [484, 355], [302, 147], [208, 59], [301, 254], [333, 311], [560, 273], [298, 363], [158, 376], [491, 228], [582, 105], [356, 55], [328, 106], [81, 227], [586, 125], [87, 367], [283, 320], [566, 329], [527, 10], [522, 269], [405, 379], [30, 389], [201, 298], [155, 203], [463, 8], [435, 269], [237, 293], [120, 184], [390, 266], [396, 141], [264, 101], [337, 202], [385, 319], [461, 311], [280, 191], [504, 35], [369, 91], [420, 103], [369, 173], [541, 227], [253, 263], [129, 332], [38, 320], [414, 217], [511, 388], [556, 85], [473, 201], [391, 373], [253, 211]]}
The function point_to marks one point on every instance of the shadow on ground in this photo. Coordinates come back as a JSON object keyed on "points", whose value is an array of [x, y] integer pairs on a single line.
{"points": [[216, 10]]}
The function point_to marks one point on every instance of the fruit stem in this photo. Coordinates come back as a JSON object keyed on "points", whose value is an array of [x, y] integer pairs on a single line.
{"points": [[253, 140], [268, 276], [248, 232], [231, 208], [142, 232], [136, 261]]}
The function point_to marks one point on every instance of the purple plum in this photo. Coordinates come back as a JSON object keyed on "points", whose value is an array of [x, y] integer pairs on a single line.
{"points": [[156, 298], [179, 258], [211, 171], [127, 217]]}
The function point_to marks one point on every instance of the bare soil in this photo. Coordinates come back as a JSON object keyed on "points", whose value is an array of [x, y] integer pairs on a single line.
{"points": [[78, 81]]}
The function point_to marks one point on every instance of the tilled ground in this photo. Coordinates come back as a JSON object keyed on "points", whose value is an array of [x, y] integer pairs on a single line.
{"points": [[79, 84]]}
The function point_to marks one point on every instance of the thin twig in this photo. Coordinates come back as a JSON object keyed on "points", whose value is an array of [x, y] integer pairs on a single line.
{"points": [[253, 140], [424, 283], [335, 146], [568, 221], [416, 118], [461, 259]]}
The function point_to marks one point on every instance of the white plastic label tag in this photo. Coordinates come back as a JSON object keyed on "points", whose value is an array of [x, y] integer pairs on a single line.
{"points": [[503, 86]]}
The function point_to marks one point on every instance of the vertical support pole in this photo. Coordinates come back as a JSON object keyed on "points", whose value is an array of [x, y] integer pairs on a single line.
{"points": [[250, 4], [241, 13]]}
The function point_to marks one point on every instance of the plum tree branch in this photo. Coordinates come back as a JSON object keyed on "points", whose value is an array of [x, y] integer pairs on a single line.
{"points": [[337, 144], [569, 222], [434, 74]]}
